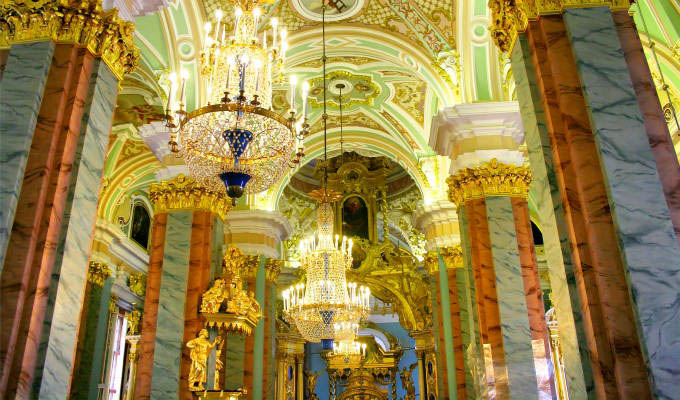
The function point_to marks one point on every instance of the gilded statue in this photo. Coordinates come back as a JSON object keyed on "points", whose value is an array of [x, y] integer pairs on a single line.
{"points": [[311, 384], [212, 299], [407, 381], [200, 349]]}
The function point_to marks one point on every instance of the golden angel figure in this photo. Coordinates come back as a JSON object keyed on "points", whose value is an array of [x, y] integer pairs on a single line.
{"points": [[200, 349]]}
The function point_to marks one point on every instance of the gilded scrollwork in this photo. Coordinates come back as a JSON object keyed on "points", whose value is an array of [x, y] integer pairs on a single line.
{"points": [[98, 273], [510, 17], [226, 304], [82, 23], [183, 193], [137, 283], [490, 179]]}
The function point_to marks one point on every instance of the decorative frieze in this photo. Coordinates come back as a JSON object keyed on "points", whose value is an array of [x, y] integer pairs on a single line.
{"points": [[98, 273], [82, 23], [511, 17], [489, 179], [183, 193]]}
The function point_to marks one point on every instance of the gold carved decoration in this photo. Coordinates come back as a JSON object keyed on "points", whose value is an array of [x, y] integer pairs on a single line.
{"points": [[98, 273], [137, 284], [133, 318], [407, 381], [82, 23], [453, 256], [393, 276], [113, 303], [183, 193], [431, 262], [272, 269], [226, 304], [200, 350], [490, 179], [361, 385], [509, 17]]}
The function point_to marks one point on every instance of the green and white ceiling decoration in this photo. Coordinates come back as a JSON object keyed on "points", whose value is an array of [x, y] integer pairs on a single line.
{"points": [[658, 21], [401, 61]]}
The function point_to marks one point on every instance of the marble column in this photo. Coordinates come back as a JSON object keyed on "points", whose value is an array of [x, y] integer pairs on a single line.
{"points": [[89, 361], [490, 197], [180, 267], [258, 233], [45, 278], [439, 222], [586, 97], [57, 95]]}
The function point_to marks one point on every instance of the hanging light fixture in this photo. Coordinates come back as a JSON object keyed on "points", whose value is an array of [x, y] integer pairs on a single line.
{"points": [[235, 142], [327, 307]]}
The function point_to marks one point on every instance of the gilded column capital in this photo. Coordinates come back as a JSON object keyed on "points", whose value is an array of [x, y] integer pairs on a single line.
{"points": [[82, 23], [98, 273], [273, 269], [453, 256], [183, 193], [490, 179], [431, 262], [510, 17]]}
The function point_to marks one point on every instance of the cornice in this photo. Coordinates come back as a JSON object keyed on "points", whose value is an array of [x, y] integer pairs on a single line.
{"points": [[82, 23]]}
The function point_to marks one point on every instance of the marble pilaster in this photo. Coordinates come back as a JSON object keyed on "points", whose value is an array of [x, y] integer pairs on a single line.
{"points": [[551, 213], [636, 198], [57, 342], [512, 306], [21, 93], [173, 286]]}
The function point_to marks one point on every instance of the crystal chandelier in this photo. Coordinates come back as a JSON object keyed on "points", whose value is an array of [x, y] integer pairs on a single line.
{"points": [[327, 308], [348, 351], [236, 142]]}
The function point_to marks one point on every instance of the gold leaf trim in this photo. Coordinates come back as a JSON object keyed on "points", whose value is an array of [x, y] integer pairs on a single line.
{"points": [[490, 179], [183, 193], [98, 273], [82, 23], [510, 17]]}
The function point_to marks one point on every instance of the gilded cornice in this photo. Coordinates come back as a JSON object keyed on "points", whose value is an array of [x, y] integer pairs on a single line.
{"points": [[98, 273], [453, 256], [510, 17], [183, 193], [82, 23], [273, 269], [490, 179]]}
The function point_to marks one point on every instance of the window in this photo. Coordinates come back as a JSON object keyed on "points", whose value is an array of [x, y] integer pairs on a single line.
{"points": [[140, 225]]}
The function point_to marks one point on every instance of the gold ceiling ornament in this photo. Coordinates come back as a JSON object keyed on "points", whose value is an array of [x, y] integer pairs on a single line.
{"points": [[490, 179], [98, 273], [453, 256], [272, 269], [137, 283], [82, 23], [226, 304], [510, 17], [183, 193]]}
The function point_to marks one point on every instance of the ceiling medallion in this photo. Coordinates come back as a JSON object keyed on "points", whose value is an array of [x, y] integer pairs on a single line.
{"points": [[337, 10]]}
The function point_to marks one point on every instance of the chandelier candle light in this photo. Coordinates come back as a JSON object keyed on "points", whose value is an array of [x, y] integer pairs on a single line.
{"points": [[236, 142], [327, 307]]}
